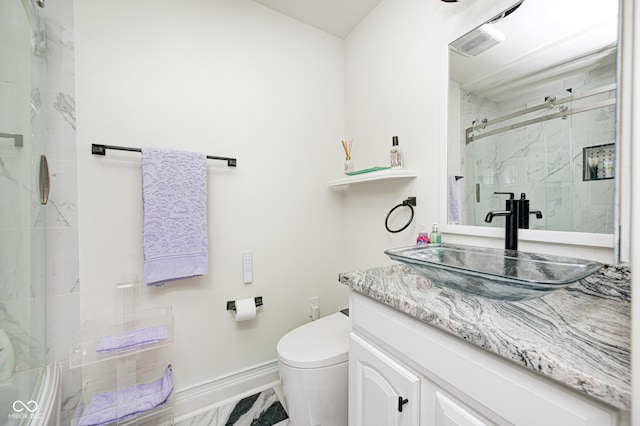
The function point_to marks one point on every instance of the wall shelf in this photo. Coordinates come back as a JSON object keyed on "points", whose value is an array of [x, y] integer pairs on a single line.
{"points": [[133, 372], [126, 379], [82, 350], [387, 174]]}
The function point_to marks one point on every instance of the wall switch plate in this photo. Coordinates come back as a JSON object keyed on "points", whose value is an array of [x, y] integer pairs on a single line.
{"points": [[247, 267], [314, 308]]}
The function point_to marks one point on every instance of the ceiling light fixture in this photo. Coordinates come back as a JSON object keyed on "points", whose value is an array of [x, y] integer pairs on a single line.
{"points": [[477, 41]]}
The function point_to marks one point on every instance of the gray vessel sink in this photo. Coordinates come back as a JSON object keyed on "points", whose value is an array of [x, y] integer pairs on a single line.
{"points": [[494, 273]]}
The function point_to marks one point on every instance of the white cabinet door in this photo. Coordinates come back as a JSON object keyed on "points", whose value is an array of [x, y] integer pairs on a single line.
{"points": [[450, 413], [381, 392]]}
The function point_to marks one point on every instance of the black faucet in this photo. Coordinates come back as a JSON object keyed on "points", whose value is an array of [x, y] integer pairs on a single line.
{"points": [[524, 212], [516, 215], [511, 221]]}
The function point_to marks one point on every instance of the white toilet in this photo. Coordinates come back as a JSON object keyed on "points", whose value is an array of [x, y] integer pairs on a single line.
{"points": [[313, 361]]}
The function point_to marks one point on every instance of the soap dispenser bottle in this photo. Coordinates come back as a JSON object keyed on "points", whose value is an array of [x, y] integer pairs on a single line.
{"points": [[7, 357], [423, 236], [396, 154], [435, 238]]}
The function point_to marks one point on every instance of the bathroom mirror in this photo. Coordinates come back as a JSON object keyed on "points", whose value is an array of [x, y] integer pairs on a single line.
{"points": [[532, 109]]}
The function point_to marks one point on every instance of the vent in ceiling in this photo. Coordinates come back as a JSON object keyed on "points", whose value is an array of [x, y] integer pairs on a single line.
{"points": [[477, 41]]}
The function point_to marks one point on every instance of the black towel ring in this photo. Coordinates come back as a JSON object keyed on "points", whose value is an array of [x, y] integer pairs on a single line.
{"points": [[409, 202]]}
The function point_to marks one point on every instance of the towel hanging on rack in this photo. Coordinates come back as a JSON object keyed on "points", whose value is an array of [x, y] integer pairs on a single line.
{"points": [[174, 193]]}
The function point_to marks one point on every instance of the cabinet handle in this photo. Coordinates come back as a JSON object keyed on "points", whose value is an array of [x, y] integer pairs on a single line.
{"points": [[401, 402]]}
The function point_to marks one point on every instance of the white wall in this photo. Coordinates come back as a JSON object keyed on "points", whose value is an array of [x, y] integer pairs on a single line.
{"points": [[394, 84], [396, 80], [228, 78]]}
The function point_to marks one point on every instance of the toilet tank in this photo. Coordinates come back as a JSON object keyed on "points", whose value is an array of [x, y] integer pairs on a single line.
{"points": [[313, 361]]}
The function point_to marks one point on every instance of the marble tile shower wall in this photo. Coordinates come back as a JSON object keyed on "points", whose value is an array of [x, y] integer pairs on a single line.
{"points": [[58, 106], [21, 297], [538, 160], [40, 84], [63, 311], [477, 159]]}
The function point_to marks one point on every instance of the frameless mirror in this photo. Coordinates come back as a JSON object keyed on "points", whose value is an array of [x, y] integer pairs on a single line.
{"points": [[532, 110]]}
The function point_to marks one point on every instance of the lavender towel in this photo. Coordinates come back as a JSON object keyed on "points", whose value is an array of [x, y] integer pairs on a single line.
{"points": [[132, 339], [109, 407], [174, 195]]}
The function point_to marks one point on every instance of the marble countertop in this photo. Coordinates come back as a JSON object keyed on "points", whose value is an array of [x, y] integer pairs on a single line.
{"points": [[579, 335]]}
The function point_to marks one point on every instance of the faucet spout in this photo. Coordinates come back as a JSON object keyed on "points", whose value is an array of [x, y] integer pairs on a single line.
{"points": [[510, 225], [510, 214], [538, 213], [516, 214], [524, 212], [489, 217]]}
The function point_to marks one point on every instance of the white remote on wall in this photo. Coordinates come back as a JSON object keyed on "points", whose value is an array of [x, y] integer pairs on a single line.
{"points": [[247, 266]]}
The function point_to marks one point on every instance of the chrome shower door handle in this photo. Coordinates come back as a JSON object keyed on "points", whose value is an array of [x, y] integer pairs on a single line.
{"points": [[44, 182]]}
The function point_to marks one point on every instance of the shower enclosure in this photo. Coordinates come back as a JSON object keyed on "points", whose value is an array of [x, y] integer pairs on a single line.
{"points": [[23, 190], [540, 143]]}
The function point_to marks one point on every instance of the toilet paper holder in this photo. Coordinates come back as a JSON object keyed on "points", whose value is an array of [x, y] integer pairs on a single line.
{"points": [[231, 304]]}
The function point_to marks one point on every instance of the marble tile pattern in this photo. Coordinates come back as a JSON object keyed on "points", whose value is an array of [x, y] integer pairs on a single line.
{"points": [[39, 245], [578, 335], [543, 160], [56, 122], [261, 409]]}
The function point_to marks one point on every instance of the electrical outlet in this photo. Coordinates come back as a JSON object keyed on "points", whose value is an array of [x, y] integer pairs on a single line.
{"points": [[314, 308]]}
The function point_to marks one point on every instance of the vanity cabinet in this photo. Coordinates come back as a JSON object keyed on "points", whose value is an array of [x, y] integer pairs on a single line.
{"points": [[385, 393], [448, 381]]}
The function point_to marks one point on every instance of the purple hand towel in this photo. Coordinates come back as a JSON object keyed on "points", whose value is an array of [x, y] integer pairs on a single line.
{"points": [[174, 195], [132, 339], [122, 404]]}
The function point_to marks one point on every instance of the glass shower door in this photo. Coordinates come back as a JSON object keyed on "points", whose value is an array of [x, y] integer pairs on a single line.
{"points": [[22, 220]]}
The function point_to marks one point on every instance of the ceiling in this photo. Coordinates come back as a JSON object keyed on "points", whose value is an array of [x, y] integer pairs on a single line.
{"points": [[337, 17], [536, 39], [544, 39]]}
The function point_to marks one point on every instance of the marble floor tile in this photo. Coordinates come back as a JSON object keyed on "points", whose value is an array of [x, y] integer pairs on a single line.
{"points": [[261, 409]]}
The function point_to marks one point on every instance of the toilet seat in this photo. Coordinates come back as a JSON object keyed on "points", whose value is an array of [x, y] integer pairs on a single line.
{"points": [[317, 344]]}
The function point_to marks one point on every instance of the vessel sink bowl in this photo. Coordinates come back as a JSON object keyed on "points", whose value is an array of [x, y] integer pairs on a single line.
{"points": [[494, 273]]}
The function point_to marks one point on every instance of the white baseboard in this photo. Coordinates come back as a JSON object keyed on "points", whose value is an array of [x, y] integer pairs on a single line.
{"points": [[206, 396]]}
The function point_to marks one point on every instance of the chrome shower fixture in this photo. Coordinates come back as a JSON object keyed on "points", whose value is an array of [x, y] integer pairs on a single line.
{"points": [[479, 125]]}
